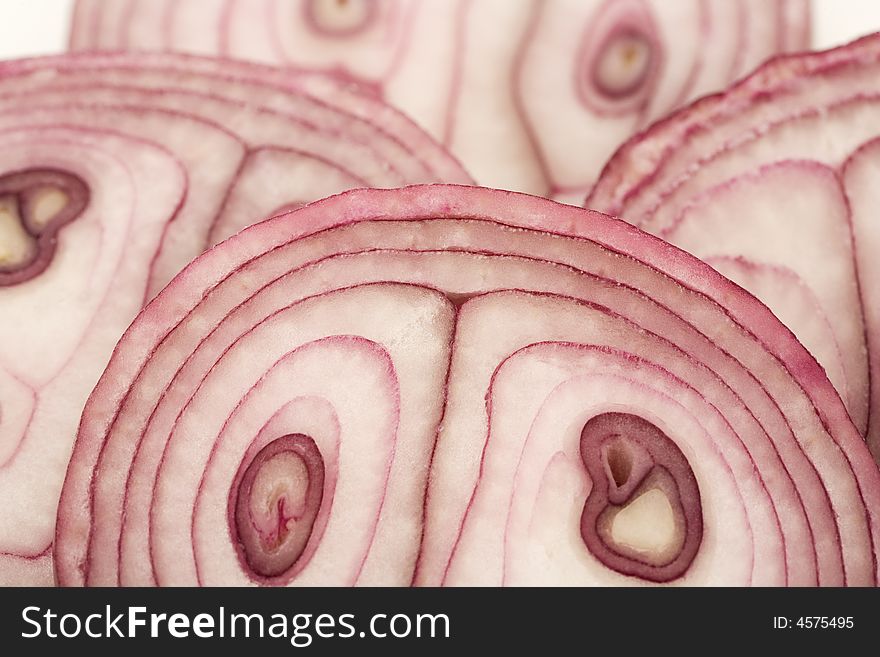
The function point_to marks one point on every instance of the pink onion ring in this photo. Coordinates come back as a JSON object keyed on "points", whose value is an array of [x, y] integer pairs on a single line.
{"points": [[530, 95], [488, 362], [116, 170]]}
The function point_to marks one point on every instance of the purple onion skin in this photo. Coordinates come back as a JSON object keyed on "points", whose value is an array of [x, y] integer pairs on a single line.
{"points": [[22, 187], [625, 456], [273, 558]]}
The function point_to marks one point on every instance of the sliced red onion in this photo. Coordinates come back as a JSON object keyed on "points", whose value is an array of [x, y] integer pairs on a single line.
{"points": [[70, 301], [267, 137], [498, 389], [115, 171], [532, 96], [772, 183]]}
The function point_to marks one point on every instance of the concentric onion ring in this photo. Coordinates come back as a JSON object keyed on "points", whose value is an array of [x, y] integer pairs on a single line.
{"points": [[449, 350], [530, 95], [773, 183], [117, 170]]}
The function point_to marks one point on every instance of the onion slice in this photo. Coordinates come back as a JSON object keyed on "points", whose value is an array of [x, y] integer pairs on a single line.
{"points": [[500, 390], [532, 96], [117, 170], [772, 183]]}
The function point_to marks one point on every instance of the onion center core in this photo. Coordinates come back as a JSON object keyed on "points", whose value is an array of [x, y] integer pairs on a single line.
{"points": [[34, 205], [643, 516], [623, 64], [336, 18], [17, 245], [275, 504], [646, 525]]}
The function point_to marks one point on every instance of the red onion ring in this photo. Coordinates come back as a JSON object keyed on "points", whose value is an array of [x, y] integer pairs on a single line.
{"points": [[531, 96], [118, 169], [717, 178], [472, 334]]}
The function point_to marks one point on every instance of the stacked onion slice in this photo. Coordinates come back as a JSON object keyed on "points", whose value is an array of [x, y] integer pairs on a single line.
{"points": [[117, 170], [453, 385], [253, 139], [531, 95], [774, 184]]}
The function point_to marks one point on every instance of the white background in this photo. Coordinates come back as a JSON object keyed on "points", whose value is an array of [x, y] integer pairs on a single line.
{"points": [[35, 27]]}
